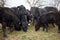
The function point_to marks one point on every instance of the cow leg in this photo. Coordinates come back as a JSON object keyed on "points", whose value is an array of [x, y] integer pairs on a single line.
{"points": [[4, 29], [11, 28], [43, 28], [37, 26], [25, 27], [17, 27], [58, 29], [46, 25], [33, 21], [53, 25]]}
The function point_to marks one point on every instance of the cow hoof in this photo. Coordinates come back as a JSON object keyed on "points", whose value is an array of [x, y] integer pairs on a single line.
{"points": [[36, 30], [5, 36], [25, 31], [43, 30], [17, 29]]}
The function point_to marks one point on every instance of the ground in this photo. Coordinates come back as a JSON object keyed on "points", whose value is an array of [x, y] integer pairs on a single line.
{"points": [[33, 35]]}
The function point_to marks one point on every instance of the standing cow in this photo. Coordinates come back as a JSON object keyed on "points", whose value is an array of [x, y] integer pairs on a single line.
{"points": [[36, 12], [7, 18]]}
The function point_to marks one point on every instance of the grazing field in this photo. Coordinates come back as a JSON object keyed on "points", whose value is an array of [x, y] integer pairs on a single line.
{"points": [[32, 34]]}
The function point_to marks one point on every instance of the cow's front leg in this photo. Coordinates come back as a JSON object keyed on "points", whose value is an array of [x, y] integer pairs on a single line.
{"points": [[53, 25], [58, 29], [11, 27], [4, 29], [46, 25]]}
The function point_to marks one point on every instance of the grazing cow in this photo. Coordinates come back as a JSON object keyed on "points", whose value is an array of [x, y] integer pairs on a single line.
{"points": [[7, 18], [45, 19], [54, 9], [23, 17], [36, 12]]}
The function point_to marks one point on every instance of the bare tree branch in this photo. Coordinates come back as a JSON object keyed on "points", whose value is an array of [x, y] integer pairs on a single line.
{"points": [[36, 2], [2, 3], [57, 2], [29, 2]]}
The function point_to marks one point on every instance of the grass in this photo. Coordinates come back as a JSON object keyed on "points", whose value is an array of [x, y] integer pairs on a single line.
{"points": [[33, 35]]}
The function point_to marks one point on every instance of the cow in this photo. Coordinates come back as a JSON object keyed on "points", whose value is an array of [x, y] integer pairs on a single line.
{"points": [[36, 12], [48, 9], [47, 18], [7, 18], [16, 10], [23, 17]]}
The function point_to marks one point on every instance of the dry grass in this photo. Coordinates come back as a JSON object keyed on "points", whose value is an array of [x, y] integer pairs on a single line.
{"points": [[33, 35]]}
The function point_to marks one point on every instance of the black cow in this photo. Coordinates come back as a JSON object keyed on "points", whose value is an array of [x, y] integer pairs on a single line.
{"points": [[7, 18], [54, 9], [36, 12], [22, 14], [45, 19], [23, 17]]}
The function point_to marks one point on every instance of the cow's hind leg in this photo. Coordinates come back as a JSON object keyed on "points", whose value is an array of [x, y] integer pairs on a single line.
{"points": [[43, 28], [53, 25], [37, 26], [11, 28], [58, 29], [46, 26]]}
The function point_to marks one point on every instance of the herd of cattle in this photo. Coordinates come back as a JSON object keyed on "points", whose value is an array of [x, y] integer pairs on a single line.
{"points": [[17, 18]]}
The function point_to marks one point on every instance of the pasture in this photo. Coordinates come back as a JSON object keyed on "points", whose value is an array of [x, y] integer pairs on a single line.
{"points": [[32, 34]]}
